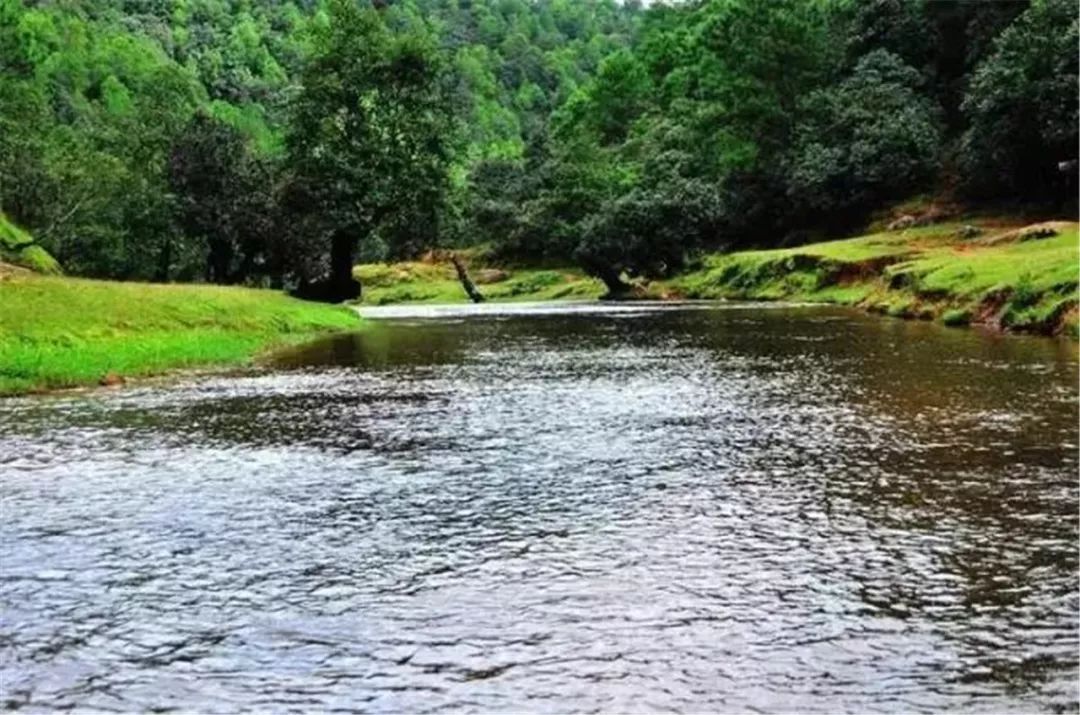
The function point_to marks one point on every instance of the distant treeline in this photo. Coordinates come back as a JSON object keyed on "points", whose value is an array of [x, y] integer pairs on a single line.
{"points": [[268, 141]]}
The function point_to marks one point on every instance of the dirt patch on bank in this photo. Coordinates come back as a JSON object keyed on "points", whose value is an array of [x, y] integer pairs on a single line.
{"points": [[848, 273], [9, 271], [1032, 232]]}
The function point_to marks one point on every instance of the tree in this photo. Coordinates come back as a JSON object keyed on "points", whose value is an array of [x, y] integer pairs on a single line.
{"points": [[369, 136], [1022, 109], [648, 232], [87, 113], [608, 105], [869, 138], [223, 196]]}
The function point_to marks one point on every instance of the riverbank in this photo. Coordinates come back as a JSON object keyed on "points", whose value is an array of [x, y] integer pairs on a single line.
{"points": [[432, 281], [1018, 278], [65, 332], [993, 272]]}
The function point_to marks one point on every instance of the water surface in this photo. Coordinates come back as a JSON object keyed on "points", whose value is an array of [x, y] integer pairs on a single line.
{"points": [[557, 508]]}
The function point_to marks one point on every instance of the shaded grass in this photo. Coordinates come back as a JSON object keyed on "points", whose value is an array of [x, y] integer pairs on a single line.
{"points": [[999, 278], [63, 332]]}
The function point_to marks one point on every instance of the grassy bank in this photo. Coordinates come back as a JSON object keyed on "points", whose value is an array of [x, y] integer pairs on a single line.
{"points": [[18, 248], [436, 282], [63, 332], [1015, 278], [988, 271]]}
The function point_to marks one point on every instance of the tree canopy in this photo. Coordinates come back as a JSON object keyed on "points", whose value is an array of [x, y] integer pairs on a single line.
{"points": [[276, 141]]}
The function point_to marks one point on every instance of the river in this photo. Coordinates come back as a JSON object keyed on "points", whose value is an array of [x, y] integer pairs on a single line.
{"points": [[557, 508]]}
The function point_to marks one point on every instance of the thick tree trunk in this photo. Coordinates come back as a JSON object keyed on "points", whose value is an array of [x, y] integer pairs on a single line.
{"points": [[613, 280], [342, 251], [218, 260], [463, 275], [246, 267], [339, 285]]}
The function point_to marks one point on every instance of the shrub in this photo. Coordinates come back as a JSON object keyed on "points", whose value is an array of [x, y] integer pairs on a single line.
{"points": [[869, 138], [1024, 295], [1021, 106]]}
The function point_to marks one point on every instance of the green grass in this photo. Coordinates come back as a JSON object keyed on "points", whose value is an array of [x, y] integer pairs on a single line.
{"points": [[1032, 266], [18, 247], [1001, 277], [63, 332], [422, 282]]}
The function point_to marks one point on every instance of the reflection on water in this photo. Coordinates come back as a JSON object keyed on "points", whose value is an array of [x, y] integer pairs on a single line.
{"points": [[633, 509]]}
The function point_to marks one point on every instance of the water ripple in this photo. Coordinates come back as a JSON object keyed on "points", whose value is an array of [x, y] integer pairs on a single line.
{"points": [[677, 510]]}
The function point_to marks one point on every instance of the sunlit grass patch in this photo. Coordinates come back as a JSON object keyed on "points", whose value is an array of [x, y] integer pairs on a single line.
{"points": [[1002, 276], [60, 332], [18, 247]]}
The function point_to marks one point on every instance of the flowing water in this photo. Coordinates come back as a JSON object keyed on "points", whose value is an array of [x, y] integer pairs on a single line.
{"points": [[580, 508]]}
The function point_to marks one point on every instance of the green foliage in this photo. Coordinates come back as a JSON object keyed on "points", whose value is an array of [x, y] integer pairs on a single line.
{"points": [[223, 199], [869, 138], [87, 111], [623, 137], [1022, 106], [956, 317], [1024, 293], [13, 238], [609, 104], [782, 116], [367, 140], [647, 232]]}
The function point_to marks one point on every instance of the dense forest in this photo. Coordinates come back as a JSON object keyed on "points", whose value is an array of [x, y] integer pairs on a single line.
{"points": [[277, 142]]}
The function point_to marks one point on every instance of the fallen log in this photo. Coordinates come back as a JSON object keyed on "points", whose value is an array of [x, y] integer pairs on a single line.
{"points": [[463, 275]]}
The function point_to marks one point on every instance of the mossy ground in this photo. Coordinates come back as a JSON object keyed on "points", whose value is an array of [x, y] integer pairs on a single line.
{"points": [[1004, 277], [63, 332], [17, 247], [437, 282]]}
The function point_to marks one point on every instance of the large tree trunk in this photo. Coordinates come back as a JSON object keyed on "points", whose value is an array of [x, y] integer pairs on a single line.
{"points": [[342, 251], [217, 262], [614, 282], [339, 285]]}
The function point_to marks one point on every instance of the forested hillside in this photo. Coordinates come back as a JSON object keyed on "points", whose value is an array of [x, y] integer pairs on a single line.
{"points": [[276, 142]]}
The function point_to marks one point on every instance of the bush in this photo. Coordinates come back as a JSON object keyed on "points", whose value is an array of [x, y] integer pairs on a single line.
{"points": [[869, 138], [648, 232], [19, 247], [1022, 109], [1025, 294]]}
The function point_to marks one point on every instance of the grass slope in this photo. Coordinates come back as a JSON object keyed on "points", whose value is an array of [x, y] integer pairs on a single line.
{"points": [[18, 248], [1006, 276], [62, 332], [427, 282]]}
